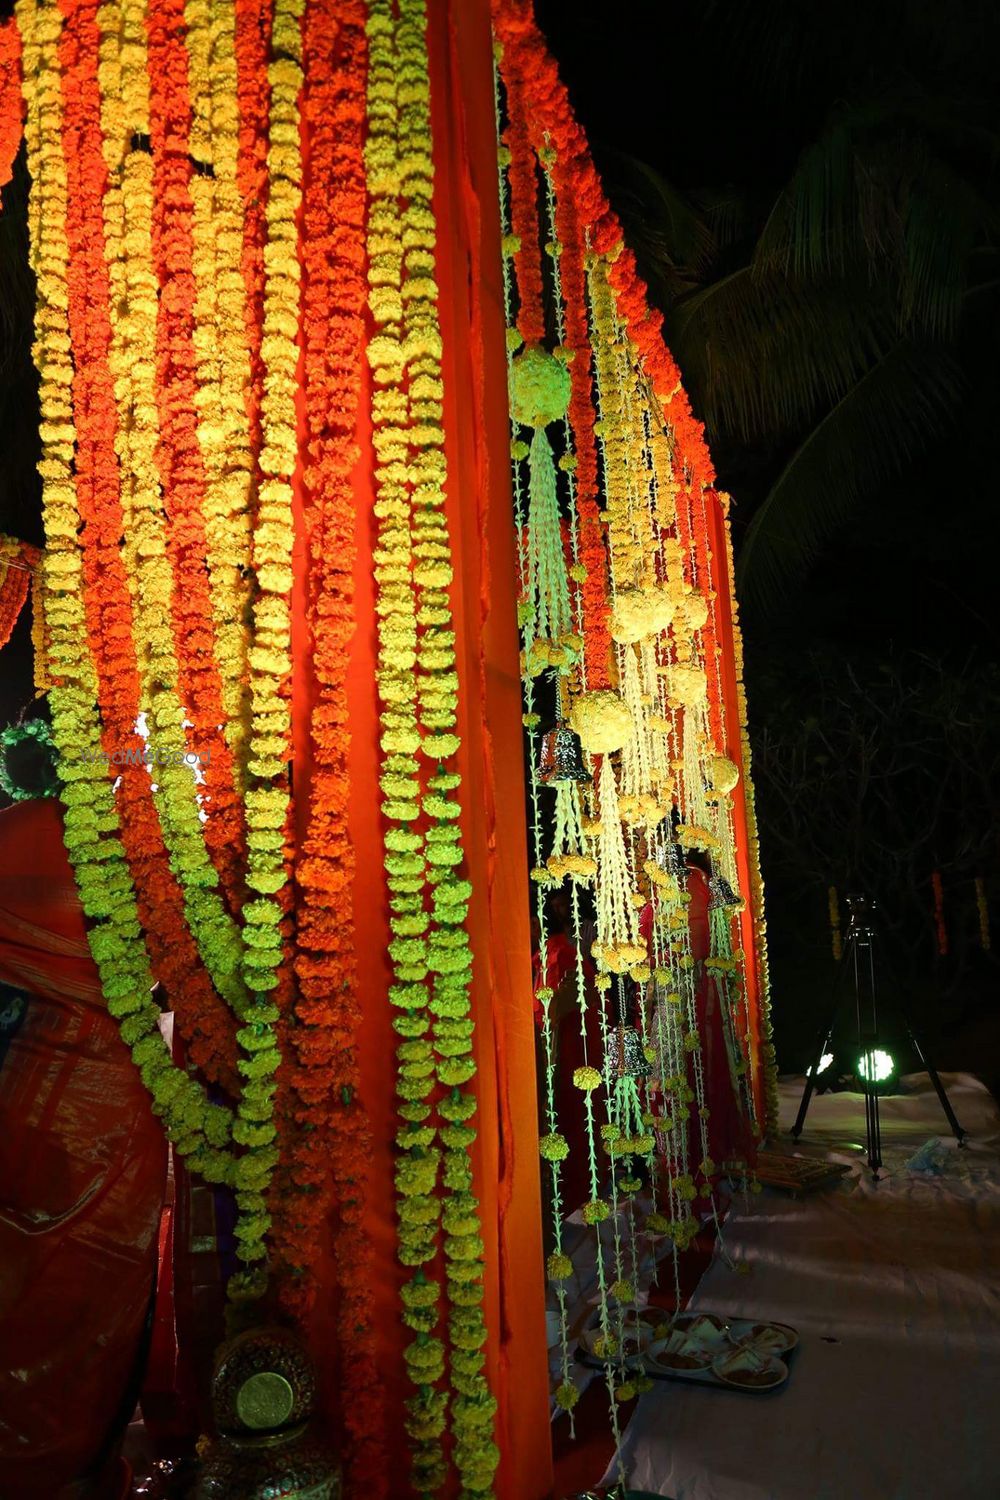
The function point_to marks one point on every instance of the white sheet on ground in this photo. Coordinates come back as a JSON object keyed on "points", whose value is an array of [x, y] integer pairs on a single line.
{"points": [[895, 1290]]}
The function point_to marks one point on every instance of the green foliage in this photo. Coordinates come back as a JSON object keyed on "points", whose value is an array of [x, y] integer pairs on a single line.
{"points": [[817, 326]]}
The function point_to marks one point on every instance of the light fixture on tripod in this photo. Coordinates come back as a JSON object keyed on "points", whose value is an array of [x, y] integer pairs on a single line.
{"points": [[875, 1068]]}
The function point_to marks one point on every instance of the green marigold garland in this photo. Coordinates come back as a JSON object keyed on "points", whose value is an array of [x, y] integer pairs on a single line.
{"points": [[418, 688]]}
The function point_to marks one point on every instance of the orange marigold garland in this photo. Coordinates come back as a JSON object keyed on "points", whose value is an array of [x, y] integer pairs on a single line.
{"points": [[17, 564], [181, 464], [323, 1070], [11, 102]]}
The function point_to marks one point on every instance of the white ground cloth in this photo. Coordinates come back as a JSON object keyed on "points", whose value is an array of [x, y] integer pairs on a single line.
{"points": [[894, 1392]]}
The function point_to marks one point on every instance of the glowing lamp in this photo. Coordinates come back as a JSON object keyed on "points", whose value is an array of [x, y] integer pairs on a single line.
{"points": [[876, 1067], [825, 1062]]}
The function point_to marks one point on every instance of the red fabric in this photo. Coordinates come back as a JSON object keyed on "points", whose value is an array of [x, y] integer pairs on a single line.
{"points": [[729, 1131], [728, 1127], [725, 626], [82, 1163]]}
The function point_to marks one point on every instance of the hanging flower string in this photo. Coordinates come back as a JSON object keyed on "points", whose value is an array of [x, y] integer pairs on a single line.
{"points": [[11, 102], [333, 1136], [428, 897], [18, 562]]}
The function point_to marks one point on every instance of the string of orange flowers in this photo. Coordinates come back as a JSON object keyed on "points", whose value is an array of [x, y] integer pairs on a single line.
{"points": [[17, 564], [182, 466], [324, 1066], [11, 103]]}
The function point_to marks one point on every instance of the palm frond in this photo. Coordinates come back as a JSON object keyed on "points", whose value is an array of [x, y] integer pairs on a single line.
{"points": [[874, 192], [662, 224], [766, 354], [864, 441]]}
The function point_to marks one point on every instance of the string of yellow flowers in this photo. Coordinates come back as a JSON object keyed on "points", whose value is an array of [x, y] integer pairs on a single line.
{"points": [[449, 959], [220, 343], [267, 796], [416, 1176], [92, 836], [128, 228], [413, 573]]}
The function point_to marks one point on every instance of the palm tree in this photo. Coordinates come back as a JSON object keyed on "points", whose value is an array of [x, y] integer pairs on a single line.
{"points": [[820, 326]]}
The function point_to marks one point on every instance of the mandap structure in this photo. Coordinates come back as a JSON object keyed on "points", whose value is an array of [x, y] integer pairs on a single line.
{"points": [[364, 466]]}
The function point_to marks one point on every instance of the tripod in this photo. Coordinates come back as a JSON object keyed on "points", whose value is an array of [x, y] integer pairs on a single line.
{"points": [[858, 961]]}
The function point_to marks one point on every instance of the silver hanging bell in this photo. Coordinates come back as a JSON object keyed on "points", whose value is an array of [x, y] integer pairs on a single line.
{"points": [[624, 1056], [561, 757], [671, 860], [721, 893]]}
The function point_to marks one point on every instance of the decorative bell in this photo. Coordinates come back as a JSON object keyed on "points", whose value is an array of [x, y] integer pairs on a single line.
{"points": [[671, 861], [561, 757], [721, 893], [624, 1056]]}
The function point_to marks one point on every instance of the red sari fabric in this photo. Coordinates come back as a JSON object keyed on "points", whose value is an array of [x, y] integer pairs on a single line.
{"points": [[730, 1135], [82, 1168], [573, 1046]]}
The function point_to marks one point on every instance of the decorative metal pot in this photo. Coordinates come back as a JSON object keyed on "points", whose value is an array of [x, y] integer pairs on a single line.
{"points": [[263, 1395]]}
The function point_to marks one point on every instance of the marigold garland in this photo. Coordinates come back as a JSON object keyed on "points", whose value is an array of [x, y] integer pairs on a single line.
{"points": [[221, 319], [181, 461], [11, 102], [18, 561], [429, 950], [323, 1069]]}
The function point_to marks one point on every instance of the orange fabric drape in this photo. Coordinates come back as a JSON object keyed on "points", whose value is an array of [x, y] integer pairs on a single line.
{"points": [[484, 600]]}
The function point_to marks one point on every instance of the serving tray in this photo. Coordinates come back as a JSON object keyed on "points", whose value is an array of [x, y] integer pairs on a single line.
{"points": [[732, 1333]]}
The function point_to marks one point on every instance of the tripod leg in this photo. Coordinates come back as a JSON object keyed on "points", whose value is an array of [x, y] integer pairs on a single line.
{"points": [[960, 1135], [821, 1045]]}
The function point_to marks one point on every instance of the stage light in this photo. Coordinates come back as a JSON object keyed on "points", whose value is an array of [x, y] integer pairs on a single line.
{"points": [[826, 1061], [876, 1066]]}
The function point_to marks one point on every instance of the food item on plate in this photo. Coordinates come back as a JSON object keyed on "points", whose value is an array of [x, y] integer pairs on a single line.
{"points": [[746, 1368], [681, 1352]]}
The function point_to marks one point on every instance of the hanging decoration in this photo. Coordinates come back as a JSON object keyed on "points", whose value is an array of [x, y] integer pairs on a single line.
{"points": [[232, 212], [18, 571], [623, 632]]}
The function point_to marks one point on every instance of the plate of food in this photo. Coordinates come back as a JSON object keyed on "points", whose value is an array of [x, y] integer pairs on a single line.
{"points": [[680, 1352], [749, 1370], [706, 1329], [638, 1339], [771, 1338]]}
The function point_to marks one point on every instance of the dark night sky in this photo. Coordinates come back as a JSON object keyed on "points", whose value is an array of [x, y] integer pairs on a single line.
{"points": [[730, 93]]}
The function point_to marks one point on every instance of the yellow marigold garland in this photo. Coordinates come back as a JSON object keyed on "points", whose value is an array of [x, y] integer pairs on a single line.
{"points": [[267, 795], [92, 836], [128, 226], [223, 371], [413, 561]]}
